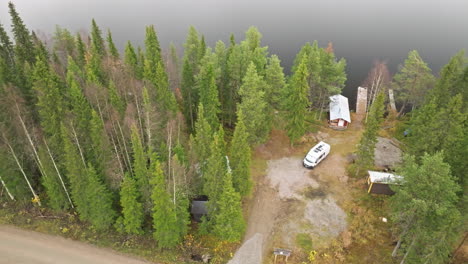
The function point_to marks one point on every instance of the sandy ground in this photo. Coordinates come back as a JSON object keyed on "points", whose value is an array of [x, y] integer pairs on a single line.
{"points": [[290, 200], [25, 247], [387, 153]]}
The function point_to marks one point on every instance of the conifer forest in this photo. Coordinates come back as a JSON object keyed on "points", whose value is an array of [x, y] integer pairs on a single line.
{"points": [[125, 140]]}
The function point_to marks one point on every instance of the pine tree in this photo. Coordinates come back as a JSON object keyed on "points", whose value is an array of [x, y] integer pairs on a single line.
{"points": [[164, 95], [413, 81], [254, 106], [240, 157], [99, 199], [24, 47], [131, 60], [97, 42], [112, 49], [274, 77], [365, 152], [296, 102], [208, 92], [132, 208], [229, 224], [424, 210], [165, 222]]}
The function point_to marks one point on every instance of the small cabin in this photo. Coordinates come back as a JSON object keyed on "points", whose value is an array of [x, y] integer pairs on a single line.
{"points": [[339, 112], [379, 182], [198, 208]]}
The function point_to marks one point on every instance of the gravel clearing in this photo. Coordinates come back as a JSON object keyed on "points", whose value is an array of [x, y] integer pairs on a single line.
{"points": [[326, 217], [250, 252], [289, 177]]}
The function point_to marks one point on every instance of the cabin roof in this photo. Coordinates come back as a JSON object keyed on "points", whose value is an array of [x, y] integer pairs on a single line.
{"points": [[339, 108], [199, 207], [384, 177]]}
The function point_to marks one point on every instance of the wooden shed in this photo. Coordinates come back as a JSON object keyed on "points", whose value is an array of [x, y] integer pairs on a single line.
{"points": [[339, 112], [379, 182]]}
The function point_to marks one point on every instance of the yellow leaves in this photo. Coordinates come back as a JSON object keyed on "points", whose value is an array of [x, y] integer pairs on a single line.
{"points": [[312, 255], [35, 200]]}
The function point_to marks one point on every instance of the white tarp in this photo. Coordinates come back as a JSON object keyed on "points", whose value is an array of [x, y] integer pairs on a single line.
{"points": [[339, 108], [384, 177]]}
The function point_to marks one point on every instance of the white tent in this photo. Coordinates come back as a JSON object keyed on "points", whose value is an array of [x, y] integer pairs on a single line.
{"points": [[339, 109]]}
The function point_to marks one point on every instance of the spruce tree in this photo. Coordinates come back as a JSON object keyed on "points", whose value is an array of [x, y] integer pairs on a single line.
{"points": [[240, 157], [140, 169], [365, 152], [80, 52], [190, 69], [99, 199], [229, 224], [112, 49], [424, 210], [97, 41], [276, 84], [24, 47], [165, 222], [115, 100], [131, 60], [132, 208], [49, 102], [208, 92], [203, 138], [56, 196], [215, 169], [153, 52], [254, 106], [296, 102]]}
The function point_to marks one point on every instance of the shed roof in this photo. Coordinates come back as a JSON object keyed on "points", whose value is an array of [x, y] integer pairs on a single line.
{"points": [[199, 207], [384, 177], [339, 108]]}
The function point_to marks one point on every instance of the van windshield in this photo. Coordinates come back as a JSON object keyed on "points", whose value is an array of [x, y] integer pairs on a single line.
{"points": [[308, 160]]}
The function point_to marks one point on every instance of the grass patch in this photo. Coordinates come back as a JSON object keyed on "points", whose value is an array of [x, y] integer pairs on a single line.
{"points": [[304, 241]]}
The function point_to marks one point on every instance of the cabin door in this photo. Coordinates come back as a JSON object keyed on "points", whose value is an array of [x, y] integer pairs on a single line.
{"points": [[341, 122]]}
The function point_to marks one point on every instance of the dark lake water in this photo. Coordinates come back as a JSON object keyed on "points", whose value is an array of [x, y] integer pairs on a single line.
{"points": [[361, 30]]}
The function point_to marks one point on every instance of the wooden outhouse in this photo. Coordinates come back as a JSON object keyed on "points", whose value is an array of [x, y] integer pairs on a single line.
{"points": [[379, 182], [339, 112]]}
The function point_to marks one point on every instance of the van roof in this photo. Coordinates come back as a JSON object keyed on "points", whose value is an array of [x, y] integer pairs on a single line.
{"points": [[318, 149]]}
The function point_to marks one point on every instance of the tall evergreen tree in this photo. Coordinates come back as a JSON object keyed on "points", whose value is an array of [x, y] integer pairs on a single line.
{"points": [[215, 169], [57, 198], [164, 215], [297, 102], [132, 208], [99, 199], [208, 92], [140, 169], [229, 224], [276, 84], [424, 210], [413, 81], [189, 70], [240, 157], [131, 60], [254, 106], [80, 51], [203, 138], [153, 52], [24, 47], [112, 49], [97, 41]]}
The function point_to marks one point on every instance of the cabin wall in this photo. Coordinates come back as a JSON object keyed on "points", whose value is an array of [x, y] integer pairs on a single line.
{"points": [[380, 188]]}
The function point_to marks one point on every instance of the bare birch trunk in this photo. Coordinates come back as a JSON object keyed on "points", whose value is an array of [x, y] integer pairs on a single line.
{"points": [[408, 251], [58, 173], [6, 188], [125, 148], [24, 174], [117, 155], [75, 137]]}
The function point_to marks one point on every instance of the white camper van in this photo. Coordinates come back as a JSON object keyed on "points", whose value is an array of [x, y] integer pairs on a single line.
{"points": [[316, 155]]}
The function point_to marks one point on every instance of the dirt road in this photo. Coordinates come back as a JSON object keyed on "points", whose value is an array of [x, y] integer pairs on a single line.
{"points": [[20, 246]]}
